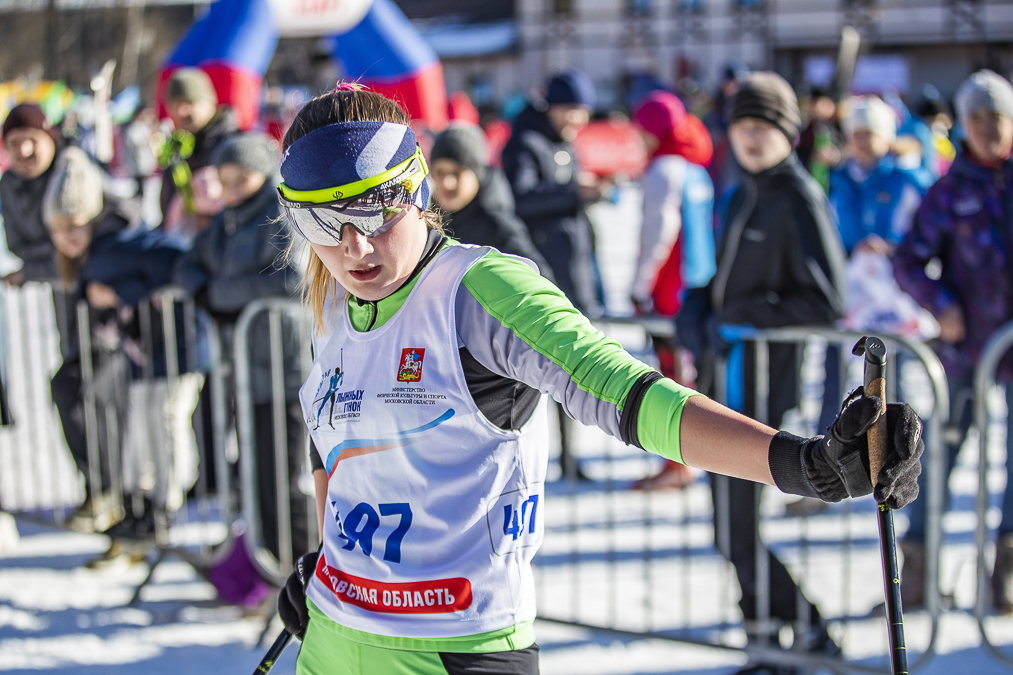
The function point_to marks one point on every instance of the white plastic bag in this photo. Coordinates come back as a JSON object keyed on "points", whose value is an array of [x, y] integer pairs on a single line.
{"points": [[876, 302]]}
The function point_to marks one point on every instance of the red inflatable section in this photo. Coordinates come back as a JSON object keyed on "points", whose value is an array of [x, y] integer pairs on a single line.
{"points": [[423, 96], [608, 148], [236, 88]]}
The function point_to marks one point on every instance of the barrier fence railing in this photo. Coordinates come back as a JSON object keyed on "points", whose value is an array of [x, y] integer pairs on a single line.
{"points": [[274, 445], [635, 562], [645, 563], [984, 385]]}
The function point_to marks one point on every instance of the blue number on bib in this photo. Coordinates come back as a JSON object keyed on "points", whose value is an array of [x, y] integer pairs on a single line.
{"points": [[363, 521], [360, 525], [514, 521], [392, 553]]}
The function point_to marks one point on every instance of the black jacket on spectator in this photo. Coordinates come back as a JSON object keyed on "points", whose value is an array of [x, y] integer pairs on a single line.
{"points": [[780, 262], [221, 127], [542, 169], [236, 261], [27, 236], [489, 220]]}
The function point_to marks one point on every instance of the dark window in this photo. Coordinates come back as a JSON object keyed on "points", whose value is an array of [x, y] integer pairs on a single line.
{"points": [[639, 7]]}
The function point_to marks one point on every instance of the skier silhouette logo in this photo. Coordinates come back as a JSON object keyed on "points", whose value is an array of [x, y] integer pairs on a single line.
{"points": [[410, 367], [332, 392]]}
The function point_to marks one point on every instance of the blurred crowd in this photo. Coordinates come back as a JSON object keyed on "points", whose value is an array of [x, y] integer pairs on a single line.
{"points": [[865, 212]]}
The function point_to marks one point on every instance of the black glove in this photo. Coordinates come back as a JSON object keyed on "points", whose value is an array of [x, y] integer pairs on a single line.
{"points": [[292, 598], [836, 466]]}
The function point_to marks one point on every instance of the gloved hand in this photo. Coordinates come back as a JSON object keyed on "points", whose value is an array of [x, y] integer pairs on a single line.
{"points": [[836, 466], [292, 598]]}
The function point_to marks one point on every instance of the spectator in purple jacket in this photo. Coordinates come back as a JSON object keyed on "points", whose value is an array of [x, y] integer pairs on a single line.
{"points": [[963, 236]]}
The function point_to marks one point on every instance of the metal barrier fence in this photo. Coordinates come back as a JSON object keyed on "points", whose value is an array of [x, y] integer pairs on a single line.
{"points": [[113, 432], [648, 564], [274, 552], [984, 385], [641, 563]]}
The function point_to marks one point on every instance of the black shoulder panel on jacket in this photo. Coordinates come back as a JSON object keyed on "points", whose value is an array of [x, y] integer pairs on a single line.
{"points": [[506, 403]]}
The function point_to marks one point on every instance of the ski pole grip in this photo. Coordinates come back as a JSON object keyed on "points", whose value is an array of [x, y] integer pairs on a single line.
{"points": [[875, 385]]}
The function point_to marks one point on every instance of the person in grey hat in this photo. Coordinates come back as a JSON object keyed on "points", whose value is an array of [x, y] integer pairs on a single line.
{"points": [[239, 259], [964, 223], [192, 105], [779, 263]]}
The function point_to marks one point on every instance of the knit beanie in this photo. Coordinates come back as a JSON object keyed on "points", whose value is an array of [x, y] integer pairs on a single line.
{"points": [[768, 97], [985, 90], [253, 152], [660, 113], [464, 144], [29, 116], [871, 114], [190, 84], [571, 87], [75, 189]]}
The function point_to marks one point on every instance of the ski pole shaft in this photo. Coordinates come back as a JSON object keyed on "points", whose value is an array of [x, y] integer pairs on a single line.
{"points": [[875, 385], [273, 653]]}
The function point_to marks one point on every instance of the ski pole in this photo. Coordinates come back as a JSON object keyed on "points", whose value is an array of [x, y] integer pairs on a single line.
{"points": [[875, 385], [274, 653]]}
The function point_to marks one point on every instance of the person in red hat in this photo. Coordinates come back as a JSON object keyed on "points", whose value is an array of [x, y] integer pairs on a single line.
{"points": [[32, 143], [676, 235]]}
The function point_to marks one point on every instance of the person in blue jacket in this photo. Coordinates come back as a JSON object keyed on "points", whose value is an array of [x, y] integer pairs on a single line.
{"points": [[874, 199]]}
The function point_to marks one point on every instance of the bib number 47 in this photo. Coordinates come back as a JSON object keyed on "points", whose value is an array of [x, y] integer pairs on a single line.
{"points": [[363, 521], [515, 520]]}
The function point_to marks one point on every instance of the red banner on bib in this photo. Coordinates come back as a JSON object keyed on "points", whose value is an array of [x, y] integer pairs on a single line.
{"points": [[441, 596]]}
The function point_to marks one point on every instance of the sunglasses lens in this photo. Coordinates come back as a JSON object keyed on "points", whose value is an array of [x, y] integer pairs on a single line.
{"points": [[370, 214]]}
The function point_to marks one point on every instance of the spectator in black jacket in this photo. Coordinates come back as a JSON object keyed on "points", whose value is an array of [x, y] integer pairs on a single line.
{"points": [[475, 198], [549, 189], [31, 143], [780, 263], [232, 263]]}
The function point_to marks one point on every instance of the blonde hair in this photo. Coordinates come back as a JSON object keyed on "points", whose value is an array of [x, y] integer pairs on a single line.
{"points": [[348, 103]]}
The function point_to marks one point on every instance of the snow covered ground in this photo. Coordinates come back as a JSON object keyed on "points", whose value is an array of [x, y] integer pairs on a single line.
{"points": [[56, 615]]}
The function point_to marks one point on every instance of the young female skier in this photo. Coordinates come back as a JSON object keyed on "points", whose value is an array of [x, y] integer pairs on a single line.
{"points": [[430, 469]]}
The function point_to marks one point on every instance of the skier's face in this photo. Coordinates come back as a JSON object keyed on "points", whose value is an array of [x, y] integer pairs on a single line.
{"points": [[990, 136], [758, 145], [371, 268]]}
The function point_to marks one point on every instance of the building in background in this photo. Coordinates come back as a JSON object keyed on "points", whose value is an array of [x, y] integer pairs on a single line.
{"points": [[495, 49]]}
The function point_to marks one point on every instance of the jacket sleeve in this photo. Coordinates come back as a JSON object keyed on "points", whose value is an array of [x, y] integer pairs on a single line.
{"points": [[814, 258], [536, 196], [927, 239], [191, 274], [521, 327], [660, 226], [233, 293]]}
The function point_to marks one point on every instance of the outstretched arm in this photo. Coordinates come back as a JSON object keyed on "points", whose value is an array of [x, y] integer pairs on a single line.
{"points": [[720, 440]]}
